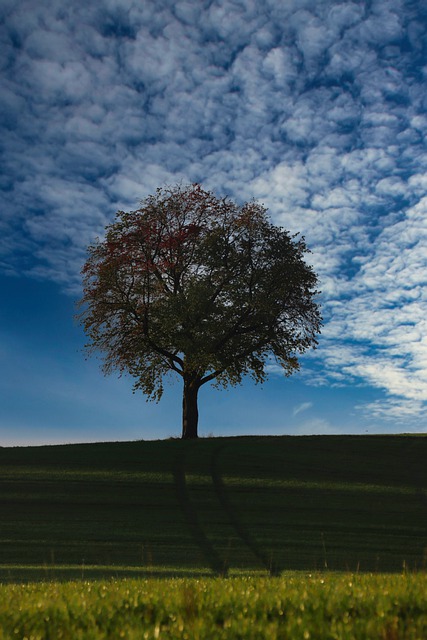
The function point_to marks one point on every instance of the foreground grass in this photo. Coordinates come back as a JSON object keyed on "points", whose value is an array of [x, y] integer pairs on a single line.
{"points": [[296, 605]]}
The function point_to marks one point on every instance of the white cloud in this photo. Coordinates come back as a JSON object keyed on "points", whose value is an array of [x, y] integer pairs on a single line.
{"points": [[400, 410], [316, 426], [312, 36], [304, 406]]}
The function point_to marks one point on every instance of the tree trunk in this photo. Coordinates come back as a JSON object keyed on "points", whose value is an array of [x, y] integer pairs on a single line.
{"points": [[190, 413]]}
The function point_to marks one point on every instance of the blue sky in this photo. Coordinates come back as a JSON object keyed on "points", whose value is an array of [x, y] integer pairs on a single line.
{"points": [[315, 108]]}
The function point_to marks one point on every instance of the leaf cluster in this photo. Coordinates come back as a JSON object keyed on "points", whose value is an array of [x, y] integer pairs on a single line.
{"points": [[197, 285]]}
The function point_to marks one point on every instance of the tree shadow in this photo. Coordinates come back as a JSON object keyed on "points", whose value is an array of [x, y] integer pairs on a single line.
{"points": [[237, 524], [215, 562]]}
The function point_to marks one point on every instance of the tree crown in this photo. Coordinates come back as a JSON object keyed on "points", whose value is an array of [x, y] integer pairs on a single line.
{"points": [[200, 286]]}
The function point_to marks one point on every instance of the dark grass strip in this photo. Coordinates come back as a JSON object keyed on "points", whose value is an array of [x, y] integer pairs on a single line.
{"points": [[419, 473], [221, 492], [218, 565]]}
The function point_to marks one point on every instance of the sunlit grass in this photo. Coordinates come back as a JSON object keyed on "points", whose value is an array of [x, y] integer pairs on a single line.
{"points": [[294, 606]]}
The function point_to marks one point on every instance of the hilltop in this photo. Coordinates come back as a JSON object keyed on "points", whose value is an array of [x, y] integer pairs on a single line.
{"points": [[214, 506]]}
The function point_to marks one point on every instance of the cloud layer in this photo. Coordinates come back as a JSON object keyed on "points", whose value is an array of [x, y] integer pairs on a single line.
{"points": [[315, 108]]}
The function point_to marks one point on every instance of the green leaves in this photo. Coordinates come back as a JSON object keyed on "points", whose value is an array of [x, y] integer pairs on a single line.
{"points": [[194, 284]]}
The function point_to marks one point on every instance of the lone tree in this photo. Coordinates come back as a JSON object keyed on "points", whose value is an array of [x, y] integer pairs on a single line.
{"points": [[196, 285]]}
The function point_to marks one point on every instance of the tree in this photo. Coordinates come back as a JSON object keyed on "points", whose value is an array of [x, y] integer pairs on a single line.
{"points": [[198, 286]]}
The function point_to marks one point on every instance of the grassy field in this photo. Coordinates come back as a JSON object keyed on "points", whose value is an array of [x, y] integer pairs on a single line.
{"points": [[220, 506], [295, 606], [297, 538]]}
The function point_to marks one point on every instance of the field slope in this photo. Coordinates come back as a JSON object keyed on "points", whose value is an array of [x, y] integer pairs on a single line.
{"points": [[213, 506]]}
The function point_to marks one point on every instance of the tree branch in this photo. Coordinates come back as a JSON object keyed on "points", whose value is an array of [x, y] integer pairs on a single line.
{"points": [[237, 358]]}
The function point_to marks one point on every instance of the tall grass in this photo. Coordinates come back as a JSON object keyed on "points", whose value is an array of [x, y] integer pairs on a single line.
{"points": [[295, 606]]}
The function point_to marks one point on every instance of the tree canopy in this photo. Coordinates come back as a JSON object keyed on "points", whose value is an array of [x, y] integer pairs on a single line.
{"points": [[201, 287]]}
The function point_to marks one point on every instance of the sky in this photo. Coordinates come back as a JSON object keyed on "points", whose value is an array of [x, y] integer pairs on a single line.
{"points": [[315, 108]]}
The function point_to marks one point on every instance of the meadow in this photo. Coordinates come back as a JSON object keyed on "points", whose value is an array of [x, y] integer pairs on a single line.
{"points": [[296, 606], [252, 537]]}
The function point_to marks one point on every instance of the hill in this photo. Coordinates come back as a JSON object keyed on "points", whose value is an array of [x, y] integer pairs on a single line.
{"points": [[214, 505]]}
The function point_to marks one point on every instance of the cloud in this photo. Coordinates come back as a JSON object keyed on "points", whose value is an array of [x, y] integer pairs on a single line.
{"points": [[301, 407], [398, 410], [316, 426], [385, 319], [316, 109]]}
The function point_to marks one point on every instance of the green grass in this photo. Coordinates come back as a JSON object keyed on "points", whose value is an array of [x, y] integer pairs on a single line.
{"points": [[324, 606], [213, 506], [133, 540]]}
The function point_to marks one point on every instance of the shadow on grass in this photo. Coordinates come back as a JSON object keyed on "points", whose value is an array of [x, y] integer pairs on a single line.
{"points": [[25, 574], [218, 565], [238, 525]]}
